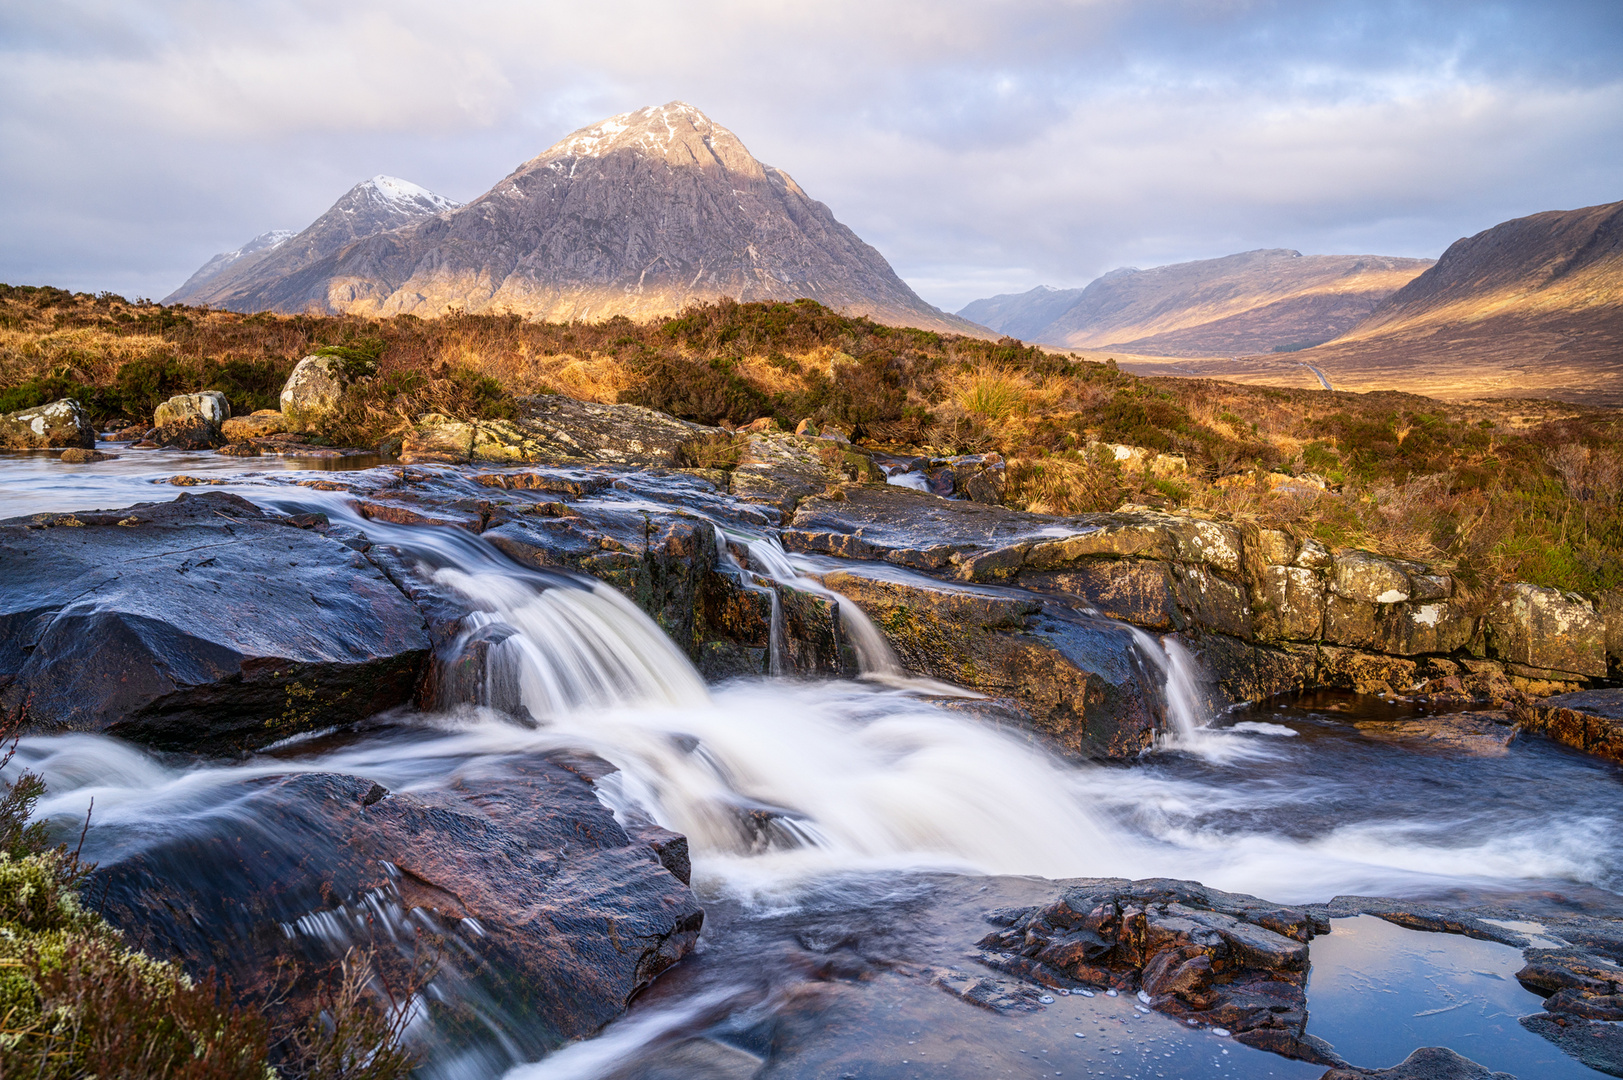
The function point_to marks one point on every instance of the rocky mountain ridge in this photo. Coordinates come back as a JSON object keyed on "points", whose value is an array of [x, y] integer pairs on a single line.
{"points": [[370, 207], [639, 215], [1263, 301], [1532, 307]]}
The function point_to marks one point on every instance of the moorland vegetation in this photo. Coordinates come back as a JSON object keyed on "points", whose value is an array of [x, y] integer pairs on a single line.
{"points": [[1496, 490]]}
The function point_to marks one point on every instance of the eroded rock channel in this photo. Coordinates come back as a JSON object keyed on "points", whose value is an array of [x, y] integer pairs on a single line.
{"points": [[547, 726]]}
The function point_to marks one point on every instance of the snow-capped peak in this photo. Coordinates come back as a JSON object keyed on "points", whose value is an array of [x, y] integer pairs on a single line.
{"points": [[654, 128], [392, 189]]}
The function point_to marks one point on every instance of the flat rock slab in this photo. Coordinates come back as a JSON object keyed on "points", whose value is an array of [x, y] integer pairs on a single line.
{"points": [[617, 434], [1589, 720], [543, 915], [201, 624]]}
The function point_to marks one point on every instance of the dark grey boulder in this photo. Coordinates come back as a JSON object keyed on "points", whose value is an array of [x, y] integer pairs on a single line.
{"points": [[538, 914], [200, 624]]}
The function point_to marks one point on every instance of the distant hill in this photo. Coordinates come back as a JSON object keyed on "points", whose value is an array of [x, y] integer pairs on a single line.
{"points": [[1023, 315], [1254, 302], [1531, 307], [640, 215], [370, 207]]}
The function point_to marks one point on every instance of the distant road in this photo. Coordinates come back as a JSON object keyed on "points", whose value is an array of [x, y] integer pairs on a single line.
{"points": [[1317, 372]]}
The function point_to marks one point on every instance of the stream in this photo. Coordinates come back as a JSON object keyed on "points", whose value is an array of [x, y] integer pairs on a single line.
{"points": [[872, 822]]}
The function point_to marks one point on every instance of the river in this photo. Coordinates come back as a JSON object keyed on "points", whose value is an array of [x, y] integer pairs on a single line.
{"points": [[895, 815]]}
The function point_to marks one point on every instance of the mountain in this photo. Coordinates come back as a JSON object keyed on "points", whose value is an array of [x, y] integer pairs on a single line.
{"points": [[1023, 315], [370, 207], [1257, 301], [639, 215], [1531, 307], [216, 266]]}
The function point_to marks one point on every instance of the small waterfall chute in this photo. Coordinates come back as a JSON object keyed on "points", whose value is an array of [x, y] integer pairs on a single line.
{"points": [[571, 648]]}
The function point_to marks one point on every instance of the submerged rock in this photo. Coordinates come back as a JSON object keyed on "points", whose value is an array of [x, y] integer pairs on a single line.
{"points": [[60, 424], [199, 624], [1427, 1063], [538, 915]]}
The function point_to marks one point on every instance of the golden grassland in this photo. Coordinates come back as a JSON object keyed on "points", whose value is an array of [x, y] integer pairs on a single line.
{"points": [[1497, 489]]}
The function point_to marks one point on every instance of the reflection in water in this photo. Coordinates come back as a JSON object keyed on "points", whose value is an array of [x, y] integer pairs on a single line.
{"points": [[1377, 991]]}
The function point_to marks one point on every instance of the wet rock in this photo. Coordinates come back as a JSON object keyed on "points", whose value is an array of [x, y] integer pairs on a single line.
{"points": [[1144, 592], [1551, 971], [1363, 672], [549, 916], [1215, 958], [1080, 682], [60, 424], [75, 455], [1427, 1063], [314, 392], [1589, 720], [783, 470], [240, 429], [1246, 672], [1598, 1044], [202, 624], [209, 407], [1544, 633]]}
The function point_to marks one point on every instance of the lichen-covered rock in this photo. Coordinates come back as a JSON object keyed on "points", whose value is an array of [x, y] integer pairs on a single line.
{"points": [[1359, 575], [238, 429], [1540, 631], [209, 407], [314, 392], [563, 428], [439, 440], [1292, 603], [47, 427]]}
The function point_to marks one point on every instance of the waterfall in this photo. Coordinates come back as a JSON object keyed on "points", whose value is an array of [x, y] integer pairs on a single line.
{"points": [[1186, 712], [876, 660], [570, 648]]}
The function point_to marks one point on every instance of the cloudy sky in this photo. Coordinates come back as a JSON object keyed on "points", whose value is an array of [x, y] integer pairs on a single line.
{"points": [[982, 147]]}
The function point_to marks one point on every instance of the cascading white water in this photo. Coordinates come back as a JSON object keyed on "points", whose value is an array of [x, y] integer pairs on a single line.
{"points": [[573, 648], [875, 658], [1180, 672]]}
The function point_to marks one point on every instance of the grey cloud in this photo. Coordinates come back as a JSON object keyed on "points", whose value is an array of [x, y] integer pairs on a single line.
{"points": [[982, 147]]}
